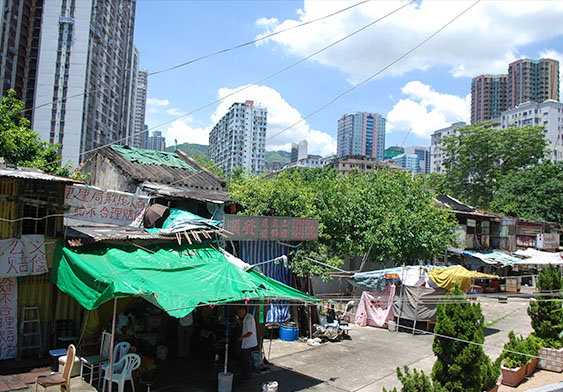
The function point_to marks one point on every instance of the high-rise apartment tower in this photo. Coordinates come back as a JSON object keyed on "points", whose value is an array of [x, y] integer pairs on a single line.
{"points": [[84, 70], [527, 81], [238, 139], [361, 134]]}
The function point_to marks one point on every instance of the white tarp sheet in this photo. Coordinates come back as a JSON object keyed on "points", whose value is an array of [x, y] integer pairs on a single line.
{"points": [[538, 257]]}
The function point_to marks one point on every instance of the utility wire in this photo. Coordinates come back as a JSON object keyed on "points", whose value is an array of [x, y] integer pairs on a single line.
{"points": [[262, 38], [349, 90], [257, 82]]}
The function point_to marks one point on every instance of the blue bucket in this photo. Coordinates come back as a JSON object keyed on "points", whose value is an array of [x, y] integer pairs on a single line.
{"points": [[288, 334]]}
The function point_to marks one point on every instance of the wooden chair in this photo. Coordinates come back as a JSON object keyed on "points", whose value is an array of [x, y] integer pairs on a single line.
{"points": [[58, 379]]}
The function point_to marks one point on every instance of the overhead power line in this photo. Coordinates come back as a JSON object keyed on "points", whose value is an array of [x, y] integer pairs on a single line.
{"points": [[349, 90], [262, 38], [256, 82]]}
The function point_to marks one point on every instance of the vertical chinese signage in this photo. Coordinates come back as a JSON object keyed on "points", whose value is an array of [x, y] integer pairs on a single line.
{"points": [[270, 228], [8, 321], [23, 256], [105, 206]]}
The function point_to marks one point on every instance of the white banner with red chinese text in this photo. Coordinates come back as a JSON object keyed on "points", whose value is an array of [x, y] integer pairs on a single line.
{"points": [[8, 320], [105, 206], [23, 256]]}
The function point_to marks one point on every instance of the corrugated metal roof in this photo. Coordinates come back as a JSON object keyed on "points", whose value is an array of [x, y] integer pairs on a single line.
{"points": [[80, 233], [35, 174], [179, 182]]}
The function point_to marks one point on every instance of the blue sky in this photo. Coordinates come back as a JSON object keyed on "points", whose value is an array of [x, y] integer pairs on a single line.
{"points": [[424, 92]]}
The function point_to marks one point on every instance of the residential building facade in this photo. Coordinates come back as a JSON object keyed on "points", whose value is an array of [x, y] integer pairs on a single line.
{"points": [[156, 141], [298, 151], [548, 114], [84, 70], [408, 162], [526, 80], [532, 80], [423, 156], [238, 139], [20, 26], [488, 97], [361, 134], [362, 164], [140, 137], [436, 154]]}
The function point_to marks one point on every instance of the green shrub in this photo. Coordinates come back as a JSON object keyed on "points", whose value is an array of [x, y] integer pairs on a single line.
{"points": [[545, 313], [461, 366], [415, 382], [516, 345]]}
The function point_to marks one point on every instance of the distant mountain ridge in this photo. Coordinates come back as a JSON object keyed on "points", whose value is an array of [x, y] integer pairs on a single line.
{"points": [[195, 150]]}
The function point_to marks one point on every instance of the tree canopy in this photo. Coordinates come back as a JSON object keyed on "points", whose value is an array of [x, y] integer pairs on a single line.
{"points": [[390, 208], [480, 157], [20, 145], [533, 193]]}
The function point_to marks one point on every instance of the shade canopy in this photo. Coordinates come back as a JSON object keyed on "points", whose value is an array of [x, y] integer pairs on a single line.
{"points": [[174, 278]]}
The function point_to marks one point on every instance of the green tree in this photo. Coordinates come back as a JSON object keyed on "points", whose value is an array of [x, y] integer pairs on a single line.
{"points": [[533, 193], [545, 313], [480, 156], [390, 208], [415, 382], [20, 145], [461, 366], [208, 163]]}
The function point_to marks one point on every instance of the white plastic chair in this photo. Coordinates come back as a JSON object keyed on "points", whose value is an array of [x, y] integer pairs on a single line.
{"points": [[127, 364], [119, 351]]}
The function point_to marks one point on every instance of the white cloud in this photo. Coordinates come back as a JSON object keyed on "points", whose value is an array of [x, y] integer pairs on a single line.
{"points": [[426, 110], [175, 112], [182, 132], [281, 115], [155, 105], [484, 40]]}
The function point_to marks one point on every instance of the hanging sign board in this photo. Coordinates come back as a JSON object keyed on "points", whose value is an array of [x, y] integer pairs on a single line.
{"points": [[549, 241], [23, 256], [8, 320], [270, 228], [105, 206]]}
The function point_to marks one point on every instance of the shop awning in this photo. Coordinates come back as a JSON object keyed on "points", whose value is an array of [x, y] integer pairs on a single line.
{"points": [[174, 278]]}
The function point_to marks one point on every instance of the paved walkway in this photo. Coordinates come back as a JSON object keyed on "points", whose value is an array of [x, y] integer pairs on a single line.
{"points": [[25, 382]]}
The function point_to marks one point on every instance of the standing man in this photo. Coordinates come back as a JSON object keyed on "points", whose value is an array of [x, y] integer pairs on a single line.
{"points": [[248, 342], [185, 329]]}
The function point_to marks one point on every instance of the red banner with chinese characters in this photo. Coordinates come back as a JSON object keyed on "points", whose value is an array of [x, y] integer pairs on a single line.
{"points": [[23, 256], [270, 228], [8, 320], [105, 206]]}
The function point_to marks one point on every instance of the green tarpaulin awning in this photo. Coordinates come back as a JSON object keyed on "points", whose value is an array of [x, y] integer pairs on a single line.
{"points": [[174, 278]]}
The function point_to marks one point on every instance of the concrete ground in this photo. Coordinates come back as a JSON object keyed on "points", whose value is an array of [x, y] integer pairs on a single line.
{"points": [[365, 363], [368, 361]]}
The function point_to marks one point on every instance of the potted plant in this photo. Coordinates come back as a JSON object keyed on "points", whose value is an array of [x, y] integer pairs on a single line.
{"points": [[533, 346], [514, 365], [547, 319]]}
